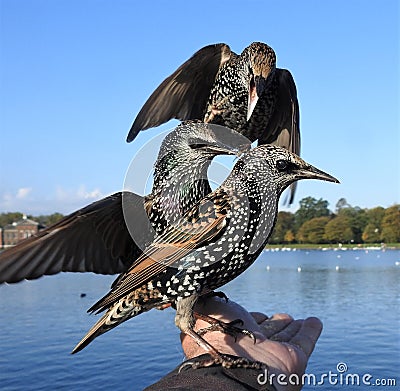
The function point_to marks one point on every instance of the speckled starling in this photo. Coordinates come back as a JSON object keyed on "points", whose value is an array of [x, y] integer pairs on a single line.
{"points": [[244, 92], [214, 242], [106, 235]]}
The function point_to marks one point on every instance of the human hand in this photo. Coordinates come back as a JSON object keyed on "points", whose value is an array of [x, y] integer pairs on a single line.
{"points": [[284, 344]]}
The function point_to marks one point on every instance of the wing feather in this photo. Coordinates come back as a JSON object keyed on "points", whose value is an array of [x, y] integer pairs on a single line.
{"points": [[284, 126], [183, 95], [93, 239], [190, 232]]}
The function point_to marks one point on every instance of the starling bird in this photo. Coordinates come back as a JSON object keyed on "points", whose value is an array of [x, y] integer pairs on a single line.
{"points": [[213, 243], [106, 235], [244, 92]]}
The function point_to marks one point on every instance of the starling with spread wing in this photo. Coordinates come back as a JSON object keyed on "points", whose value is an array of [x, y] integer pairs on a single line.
{"points": [[106, 235], [214, 242], [245, 92]]}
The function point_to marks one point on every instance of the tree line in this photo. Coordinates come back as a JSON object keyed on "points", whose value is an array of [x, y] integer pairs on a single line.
{"points": [[315, 223], [312, 223], [43, 220]]}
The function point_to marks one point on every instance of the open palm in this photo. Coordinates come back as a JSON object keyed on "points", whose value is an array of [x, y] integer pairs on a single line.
{"points": [[282, 343]]}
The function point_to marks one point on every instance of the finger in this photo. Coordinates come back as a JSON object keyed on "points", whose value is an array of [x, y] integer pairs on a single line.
{"points": [[275, 324], [259, 317], [287, 333], [307, 335], [190, 347], [226, 312]]}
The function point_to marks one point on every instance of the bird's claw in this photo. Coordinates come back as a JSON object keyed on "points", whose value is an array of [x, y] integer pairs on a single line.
{"points": [[226, 328]]}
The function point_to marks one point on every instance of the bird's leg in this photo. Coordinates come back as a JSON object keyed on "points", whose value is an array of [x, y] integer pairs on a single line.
{"points": [[185, 321], [217, 325], [224, 327]]}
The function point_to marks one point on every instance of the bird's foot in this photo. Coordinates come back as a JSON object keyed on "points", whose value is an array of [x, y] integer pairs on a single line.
{"points": [[223, 360], [224, 327], [184, 324]]}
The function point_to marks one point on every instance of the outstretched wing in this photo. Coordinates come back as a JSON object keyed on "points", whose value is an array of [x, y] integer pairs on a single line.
{"points": [[93, 239], [184, 94], [284, 126], [202, 224]]}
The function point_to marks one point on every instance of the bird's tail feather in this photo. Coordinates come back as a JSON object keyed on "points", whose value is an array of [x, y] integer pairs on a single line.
{"points": [[115, 315], [99, 328]]}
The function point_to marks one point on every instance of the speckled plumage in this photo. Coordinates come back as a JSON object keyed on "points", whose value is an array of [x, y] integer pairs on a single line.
{"points": [[98, 238], [180, 175], [244, 92], [237, 83], [214, 242]]}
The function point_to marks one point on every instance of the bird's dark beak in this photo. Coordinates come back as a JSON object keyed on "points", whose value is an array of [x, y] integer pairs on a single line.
{"points": [[256, 88], [311, 172], [226, 149], [225, 141]]}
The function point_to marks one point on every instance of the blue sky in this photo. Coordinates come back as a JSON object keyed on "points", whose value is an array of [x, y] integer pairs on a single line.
{"points": [[75, 73]]}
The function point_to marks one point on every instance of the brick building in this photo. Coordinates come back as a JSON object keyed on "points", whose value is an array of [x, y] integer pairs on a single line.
{"points": [[17, 231]]}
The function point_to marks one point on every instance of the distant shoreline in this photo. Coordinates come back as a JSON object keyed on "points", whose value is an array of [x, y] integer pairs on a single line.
{"points": [[304, 246]]}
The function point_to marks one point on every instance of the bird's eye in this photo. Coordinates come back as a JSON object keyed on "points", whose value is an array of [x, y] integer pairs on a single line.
{"points": [[282, 165]]}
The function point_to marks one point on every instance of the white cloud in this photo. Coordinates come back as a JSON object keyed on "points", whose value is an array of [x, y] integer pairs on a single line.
{"points": [[79, 194], [82, 193], [15, 201], [61, 200], [23, 192]]}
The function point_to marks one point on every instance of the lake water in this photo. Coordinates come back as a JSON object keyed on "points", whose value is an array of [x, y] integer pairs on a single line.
{"points": [[355, 293]]}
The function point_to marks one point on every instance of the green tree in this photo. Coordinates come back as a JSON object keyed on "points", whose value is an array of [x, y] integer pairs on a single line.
{"points": [[391, 225], [372, 231], [313, 231], [357, 221], [284, 223], [341, 204], [309, 209], [8, 218], [289, 237], [375, 216], [47, 220], [338, 230], [371, 234]]}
